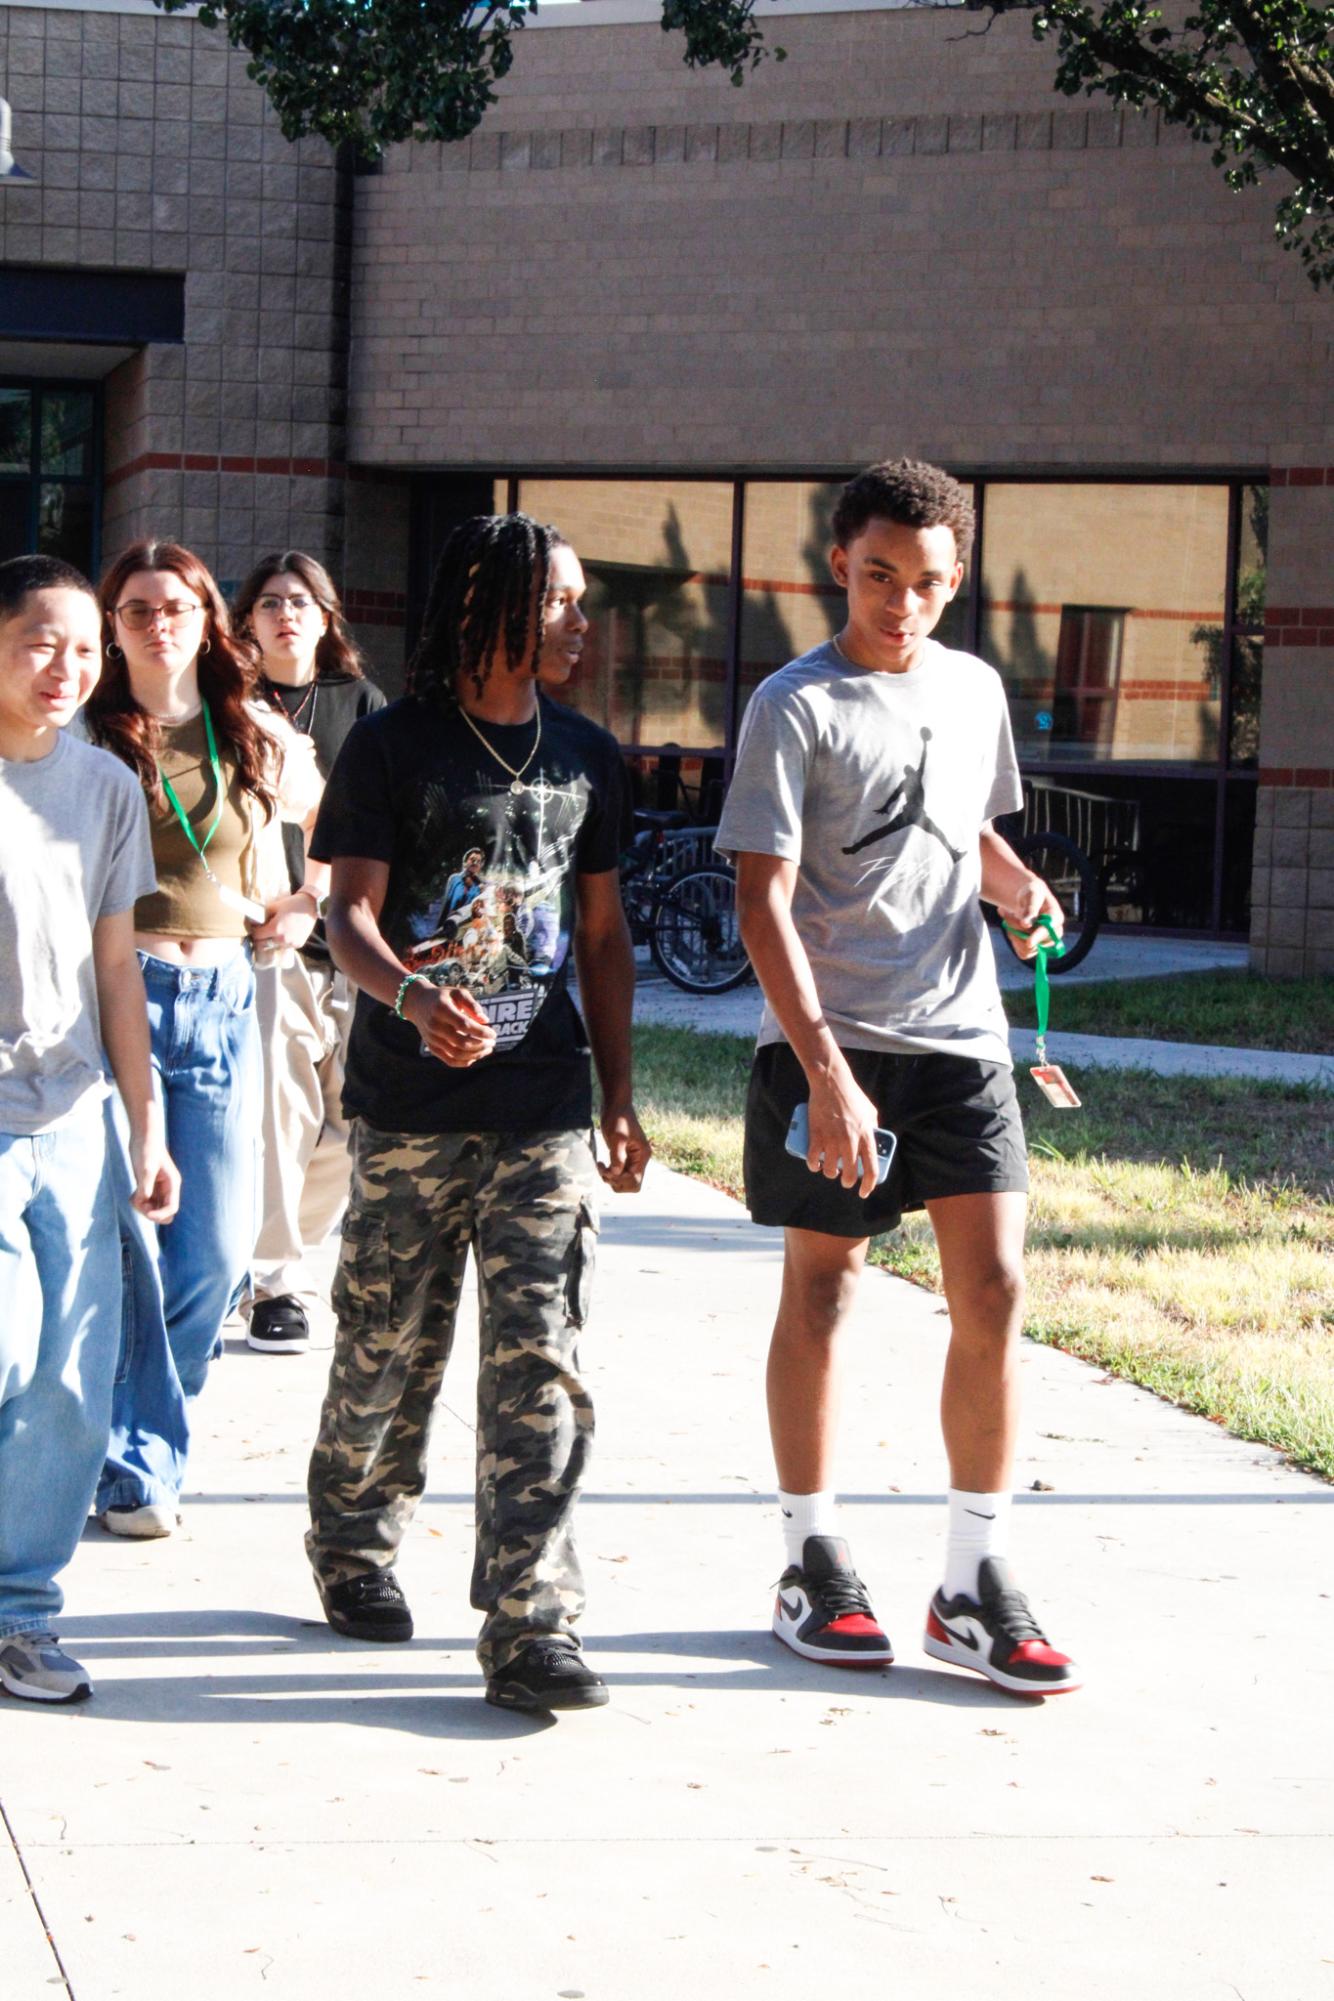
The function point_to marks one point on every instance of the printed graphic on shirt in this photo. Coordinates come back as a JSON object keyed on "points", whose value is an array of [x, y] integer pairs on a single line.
{"points": [[496, 916], [911, 790]]}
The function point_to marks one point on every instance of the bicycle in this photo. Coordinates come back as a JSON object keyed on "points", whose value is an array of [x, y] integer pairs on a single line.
{"points": [[1073, 881], [683, 909]]}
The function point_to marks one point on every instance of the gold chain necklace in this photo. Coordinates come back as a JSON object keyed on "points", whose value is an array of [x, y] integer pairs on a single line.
{"points": [[517, 786]]}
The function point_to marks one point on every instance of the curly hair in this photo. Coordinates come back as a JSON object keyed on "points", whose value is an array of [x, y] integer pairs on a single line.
{"points": [[488, 593], [337, 652], [227, 680], [910, 492]]}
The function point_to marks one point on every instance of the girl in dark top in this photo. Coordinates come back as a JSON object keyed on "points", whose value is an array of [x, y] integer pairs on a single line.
{"points": [[310, 670], [175, 702]]}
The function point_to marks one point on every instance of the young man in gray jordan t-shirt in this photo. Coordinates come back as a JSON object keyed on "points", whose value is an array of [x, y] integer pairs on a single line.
{"points": [[859, 817]]}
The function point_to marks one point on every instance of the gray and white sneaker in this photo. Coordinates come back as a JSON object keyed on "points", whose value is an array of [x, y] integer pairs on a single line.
{"points": [[33, 1667]]}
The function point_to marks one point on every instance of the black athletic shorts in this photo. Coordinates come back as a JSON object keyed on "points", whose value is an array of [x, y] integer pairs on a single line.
{"points": [[956, 1121]]}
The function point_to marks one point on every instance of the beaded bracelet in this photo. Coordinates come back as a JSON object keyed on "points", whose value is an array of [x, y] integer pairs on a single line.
{"points": [[412, 980]]}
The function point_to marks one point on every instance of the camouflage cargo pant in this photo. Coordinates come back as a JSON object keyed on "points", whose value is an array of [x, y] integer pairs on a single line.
{"points": [[526, 1205]]}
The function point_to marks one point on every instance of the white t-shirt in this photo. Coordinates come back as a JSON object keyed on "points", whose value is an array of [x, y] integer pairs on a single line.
{"points": [[879, 785], [73, 848]]}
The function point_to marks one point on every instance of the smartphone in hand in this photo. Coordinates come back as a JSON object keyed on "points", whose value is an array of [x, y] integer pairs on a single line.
{"points": [[798, 1143]]}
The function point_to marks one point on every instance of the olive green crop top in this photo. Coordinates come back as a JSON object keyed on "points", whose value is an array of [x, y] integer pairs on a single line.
{"points": [[186, 904]]}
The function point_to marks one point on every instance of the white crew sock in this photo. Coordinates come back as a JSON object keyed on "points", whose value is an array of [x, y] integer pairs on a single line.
{"points": [[802, 1515], [979, 1526]]}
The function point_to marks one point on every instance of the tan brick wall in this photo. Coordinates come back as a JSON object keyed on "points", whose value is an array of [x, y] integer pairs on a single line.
{"points": [[894, 241], [152, 151]]}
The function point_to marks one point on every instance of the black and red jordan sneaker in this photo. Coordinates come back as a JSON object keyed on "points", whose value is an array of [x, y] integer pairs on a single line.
{"points": [[996, 1634], [822, 1611]]}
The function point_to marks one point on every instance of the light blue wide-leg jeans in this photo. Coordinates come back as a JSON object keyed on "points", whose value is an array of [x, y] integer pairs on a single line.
{"points": [[59, 1328], [179, 1280]]}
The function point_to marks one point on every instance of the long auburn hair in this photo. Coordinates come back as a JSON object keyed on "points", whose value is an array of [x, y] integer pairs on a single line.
{"points": [[226, 679], [337, 652]]}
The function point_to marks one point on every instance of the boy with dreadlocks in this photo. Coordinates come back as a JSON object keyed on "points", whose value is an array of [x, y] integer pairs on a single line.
{"points": [[474, 830]]}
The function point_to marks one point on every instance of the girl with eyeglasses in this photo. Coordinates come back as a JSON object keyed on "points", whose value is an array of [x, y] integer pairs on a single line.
{"points": [[176, 703], [311, 671]]}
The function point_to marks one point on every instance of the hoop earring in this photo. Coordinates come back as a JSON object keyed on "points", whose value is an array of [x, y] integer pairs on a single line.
{"points": [[206, 646], [113, 651]]}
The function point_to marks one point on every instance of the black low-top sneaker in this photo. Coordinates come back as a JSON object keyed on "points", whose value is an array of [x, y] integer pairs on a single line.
{"points": [[822, 1610], [549, 1674], [368, 1607], [996, 1634], [278, 1326]]}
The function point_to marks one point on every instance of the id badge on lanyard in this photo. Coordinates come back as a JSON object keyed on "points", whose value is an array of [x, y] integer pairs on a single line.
{"points": [[1050, 1079]]}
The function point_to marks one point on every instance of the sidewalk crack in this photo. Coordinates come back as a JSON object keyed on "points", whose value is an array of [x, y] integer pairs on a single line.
{"points": [[36, 1902]]}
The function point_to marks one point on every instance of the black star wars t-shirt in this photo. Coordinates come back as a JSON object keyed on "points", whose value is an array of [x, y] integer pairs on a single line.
{"points": [[481, 894]]}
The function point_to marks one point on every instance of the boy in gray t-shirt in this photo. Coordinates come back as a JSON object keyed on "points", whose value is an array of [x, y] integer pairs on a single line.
{"points": [[868, 774], [74, 856]]}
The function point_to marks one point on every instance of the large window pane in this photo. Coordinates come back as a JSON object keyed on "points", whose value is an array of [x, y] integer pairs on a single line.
{"points": [[67, 431], [1103, 608], [657, 556], [15, 430]]}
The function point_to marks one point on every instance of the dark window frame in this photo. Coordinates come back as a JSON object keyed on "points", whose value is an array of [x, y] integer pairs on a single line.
{"points": [[39, 387]]}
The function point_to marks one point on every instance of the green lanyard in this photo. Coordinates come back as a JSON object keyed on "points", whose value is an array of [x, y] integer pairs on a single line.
{"points": [[216, 768], [1053, 948]]}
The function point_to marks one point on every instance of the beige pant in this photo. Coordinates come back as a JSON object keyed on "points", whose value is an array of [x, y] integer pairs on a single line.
{"points": [[305, 1015]]}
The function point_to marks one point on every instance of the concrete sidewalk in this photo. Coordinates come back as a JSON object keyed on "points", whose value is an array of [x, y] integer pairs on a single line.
{"points": [[738, 1013], [253, 1807]]}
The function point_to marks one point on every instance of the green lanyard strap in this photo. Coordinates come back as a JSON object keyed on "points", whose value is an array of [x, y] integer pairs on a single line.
{"points": [[181, 815], [1052, 947]]}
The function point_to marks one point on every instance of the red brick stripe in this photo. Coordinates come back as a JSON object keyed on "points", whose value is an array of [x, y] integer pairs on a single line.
{"points": [[1299, 625], [215, 462], [1312, 779], [1301, 476], [376, 607]]}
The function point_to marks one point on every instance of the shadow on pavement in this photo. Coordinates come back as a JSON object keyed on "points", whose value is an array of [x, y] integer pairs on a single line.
{"points": [[1314, 1496], [393, 1687]]}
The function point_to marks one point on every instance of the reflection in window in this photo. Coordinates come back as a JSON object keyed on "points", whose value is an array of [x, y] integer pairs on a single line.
{"points": [[789, 601], [1088, 668], [47, 500], [15, 430], [657, 556], [1155, 558], [67, 431]]}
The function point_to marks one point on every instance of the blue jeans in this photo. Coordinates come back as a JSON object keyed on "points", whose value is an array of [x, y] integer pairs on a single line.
{"points": [[179, 1280], [59, 1271]]}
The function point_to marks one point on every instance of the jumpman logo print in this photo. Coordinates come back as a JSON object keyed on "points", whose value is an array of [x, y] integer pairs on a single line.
{"points": [[912, 791]]}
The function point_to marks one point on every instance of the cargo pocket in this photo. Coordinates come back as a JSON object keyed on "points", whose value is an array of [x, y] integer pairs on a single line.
{"points": [[581, 1261], [362, 1293]]}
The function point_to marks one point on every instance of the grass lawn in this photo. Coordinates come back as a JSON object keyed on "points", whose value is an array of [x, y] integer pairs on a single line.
{"points": [[1240, 1010], [1180, 1229]]}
